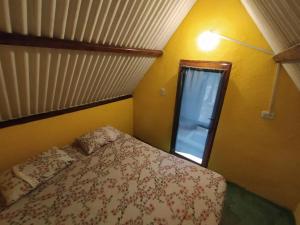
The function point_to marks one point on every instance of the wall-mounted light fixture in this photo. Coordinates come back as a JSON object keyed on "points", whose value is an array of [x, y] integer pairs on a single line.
{"points": [[209, 40]]}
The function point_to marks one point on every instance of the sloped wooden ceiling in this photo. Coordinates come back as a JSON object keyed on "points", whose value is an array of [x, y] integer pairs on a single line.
{"points": [[38, 80], [279, 22]]}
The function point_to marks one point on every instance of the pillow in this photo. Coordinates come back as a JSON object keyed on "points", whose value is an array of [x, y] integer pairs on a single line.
{"points": [[94, 140], [12, 188], [42, 167]]}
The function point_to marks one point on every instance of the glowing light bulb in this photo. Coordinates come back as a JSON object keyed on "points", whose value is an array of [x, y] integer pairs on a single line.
{"points": [[208, 41]]}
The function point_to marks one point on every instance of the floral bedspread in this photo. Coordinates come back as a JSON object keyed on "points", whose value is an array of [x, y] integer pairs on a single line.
{"points": [[125, 182]]}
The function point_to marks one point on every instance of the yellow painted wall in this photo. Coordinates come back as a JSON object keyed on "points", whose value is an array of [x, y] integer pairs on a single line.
{"points": [[21, 141], [260, 155]]}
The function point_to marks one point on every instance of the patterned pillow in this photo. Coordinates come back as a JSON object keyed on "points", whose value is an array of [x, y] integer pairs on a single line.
{"points": [[12, 188], [99, 137], [42, 167]]}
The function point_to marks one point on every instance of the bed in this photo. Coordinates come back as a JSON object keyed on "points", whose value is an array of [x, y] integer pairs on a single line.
{"points": [[124, 182]]}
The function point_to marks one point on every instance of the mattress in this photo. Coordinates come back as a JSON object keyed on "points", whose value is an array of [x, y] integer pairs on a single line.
{"points": [[124, 182]]}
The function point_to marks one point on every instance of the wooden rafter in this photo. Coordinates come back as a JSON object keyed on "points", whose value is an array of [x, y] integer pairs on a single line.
{"points": [[45, 42], [289, 55], [45, 115]]}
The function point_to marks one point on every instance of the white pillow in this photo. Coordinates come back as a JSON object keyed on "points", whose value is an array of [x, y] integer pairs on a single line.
{"points": [[42, 167], [94, 140], [12, 188]]}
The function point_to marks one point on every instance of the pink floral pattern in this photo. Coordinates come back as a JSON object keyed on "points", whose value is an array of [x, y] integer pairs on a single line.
{"points": [[127, 182], [42, 167], [12, 188], [99, 137]]}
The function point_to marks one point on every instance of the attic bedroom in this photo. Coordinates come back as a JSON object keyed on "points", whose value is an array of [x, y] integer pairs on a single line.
{"points": [[150, 112]]}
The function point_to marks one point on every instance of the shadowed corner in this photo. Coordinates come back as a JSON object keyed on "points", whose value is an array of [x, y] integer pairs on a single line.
{"points": [[242, 207]]}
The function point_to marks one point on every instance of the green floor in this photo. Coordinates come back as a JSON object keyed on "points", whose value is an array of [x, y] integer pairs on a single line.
{"points": [[245, 208]]}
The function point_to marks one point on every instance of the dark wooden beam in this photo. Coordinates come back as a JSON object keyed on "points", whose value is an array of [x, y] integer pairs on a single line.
{"points": [[45, 42], [290, 55], [45, 115]]}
